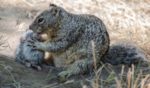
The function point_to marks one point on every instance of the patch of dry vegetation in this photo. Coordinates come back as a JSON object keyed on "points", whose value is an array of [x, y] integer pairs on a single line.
{"points": [[123, 77]]}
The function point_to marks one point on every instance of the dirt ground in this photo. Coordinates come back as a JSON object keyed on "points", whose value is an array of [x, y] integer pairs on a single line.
{"points": [[123, 19]]}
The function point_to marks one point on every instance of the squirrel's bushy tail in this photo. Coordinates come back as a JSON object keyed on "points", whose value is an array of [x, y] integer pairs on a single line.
{"points": [[124, 53]]}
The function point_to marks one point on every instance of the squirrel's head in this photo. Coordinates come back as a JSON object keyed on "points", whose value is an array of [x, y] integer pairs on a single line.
{"points": [[47, 20]]}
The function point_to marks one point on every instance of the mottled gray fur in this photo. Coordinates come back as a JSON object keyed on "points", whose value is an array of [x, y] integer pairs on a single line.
{"points": [[74, 34], [26, 54], [124, 53]]}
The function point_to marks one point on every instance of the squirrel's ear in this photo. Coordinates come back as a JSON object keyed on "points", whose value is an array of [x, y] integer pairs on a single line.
{"points": [[52, 5], [55, 11]]}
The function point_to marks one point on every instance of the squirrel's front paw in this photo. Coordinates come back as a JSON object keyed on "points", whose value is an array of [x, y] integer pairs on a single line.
{"points": [[36, 45], [62, 76]]}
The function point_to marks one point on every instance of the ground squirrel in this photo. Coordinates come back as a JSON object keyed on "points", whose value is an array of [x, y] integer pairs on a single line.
{"points": [[73, 36], [27, 55]]}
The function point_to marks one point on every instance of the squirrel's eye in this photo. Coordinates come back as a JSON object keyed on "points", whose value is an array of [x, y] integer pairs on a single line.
{"points": [[41, 20]]}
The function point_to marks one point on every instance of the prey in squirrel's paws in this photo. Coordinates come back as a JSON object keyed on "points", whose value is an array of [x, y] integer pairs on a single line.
{"points": [[29, 51], [36, 44]]}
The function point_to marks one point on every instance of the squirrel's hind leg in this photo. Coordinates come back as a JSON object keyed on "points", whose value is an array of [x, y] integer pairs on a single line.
{"points": [[78, 67]]}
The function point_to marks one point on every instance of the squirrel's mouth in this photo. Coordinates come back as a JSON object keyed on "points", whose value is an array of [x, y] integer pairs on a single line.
{"points": [[39, 31]]}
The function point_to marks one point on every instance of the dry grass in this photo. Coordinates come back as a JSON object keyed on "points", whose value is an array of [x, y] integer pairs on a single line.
{"points": [[131, 78]]}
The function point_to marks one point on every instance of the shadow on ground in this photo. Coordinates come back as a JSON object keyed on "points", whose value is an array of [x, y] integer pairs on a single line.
{"points": [[14, 75]]}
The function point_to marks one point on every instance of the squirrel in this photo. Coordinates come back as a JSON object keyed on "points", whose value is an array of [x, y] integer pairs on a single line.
{"points": [[30, 57], [74, 38]]}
